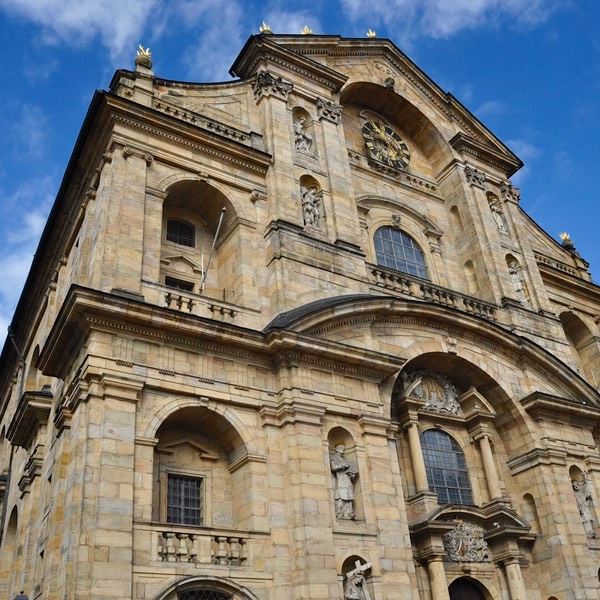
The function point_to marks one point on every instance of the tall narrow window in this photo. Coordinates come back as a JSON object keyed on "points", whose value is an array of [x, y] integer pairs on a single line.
{"points": [[446, 468], [184, 500], [397, 250], [181, 232]]}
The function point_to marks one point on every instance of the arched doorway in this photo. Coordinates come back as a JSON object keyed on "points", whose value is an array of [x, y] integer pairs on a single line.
{"points": [[463, 589]]}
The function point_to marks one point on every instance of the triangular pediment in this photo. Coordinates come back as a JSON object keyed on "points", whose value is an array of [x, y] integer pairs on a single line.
{"points": [[179, 262], [172, 447], [347, 64]]}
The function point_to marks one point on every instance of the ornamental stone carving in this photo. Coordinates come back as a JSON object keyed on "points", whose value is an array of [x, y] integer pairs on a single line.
{"points": [[311, 198], [474, 177], [328, 110], [266, 84], [466, 543], [344, 475], [509, 192], [355, 587], [435, 389], [497, 213], [583, 494], [302, 139]]}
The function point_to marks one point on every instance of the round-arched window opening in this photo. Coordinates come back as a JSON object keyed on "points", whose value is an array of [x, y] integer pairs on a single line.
{"points": [[203, 595], [446, 468], [397, 250]]}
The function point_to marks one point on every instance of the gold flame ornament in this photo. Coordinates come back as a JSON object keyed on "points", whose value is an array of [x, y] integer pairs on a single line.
{"points": [[371, 34], [144, 53], [264, 28], [564, 236], [306, 31]]}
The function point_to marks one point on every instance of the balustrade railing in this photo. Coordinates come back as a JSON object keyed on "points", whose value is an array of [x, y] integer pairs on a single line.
{"points": [[418, 288], [175, 545]]}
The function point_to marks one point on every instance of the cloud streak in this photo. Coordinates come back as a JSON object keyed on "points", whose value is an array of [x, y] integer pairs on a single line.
{"points": [[411, 19]]}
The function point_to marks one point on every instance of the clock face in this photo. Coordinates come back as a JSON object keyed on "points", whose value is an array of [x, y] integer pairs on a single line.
{"points": [[385, 145]]}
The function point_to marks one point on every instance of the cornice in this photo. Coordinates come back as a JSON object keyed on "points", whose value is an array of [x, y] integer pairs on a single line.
{"points": [[464, 144]]}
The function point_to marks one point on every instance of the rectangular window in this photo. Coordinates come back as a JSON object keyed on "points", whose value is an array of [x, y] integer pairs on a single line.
{"points": [[184, 500], [179, 284], [181, 233]]}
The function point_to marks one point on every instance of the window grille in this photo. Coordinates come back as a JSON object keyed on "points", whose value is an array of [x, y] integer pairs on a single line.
{"points": [[397, 250], [446, 468], [203, 595], [181, 233], [184, 500], [179, 284]]}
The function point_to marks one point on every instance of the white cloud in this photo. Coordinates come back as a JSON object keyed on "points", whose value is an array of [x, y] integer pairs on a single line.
{"points": [[490, 107], [118, 24], [29, 131], [282, 21], [410, 19], [527, 152]]}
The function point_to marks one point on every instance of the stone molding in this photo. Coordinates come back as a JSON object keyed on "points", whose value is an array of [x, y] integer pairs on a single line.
{"points": [[266, 84]]}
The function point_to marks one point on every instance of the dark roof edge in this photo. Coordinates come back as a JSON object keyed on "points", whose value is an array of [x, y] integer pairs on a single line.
{"points": [[9, 354]]}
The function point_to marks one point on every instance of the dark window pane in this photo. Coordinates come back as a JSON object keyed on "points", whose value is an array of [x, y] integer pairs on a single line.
{"points": [[184, 500], [397, 250], [180, 232], [203, 595], [179, 284], [446, 468]]}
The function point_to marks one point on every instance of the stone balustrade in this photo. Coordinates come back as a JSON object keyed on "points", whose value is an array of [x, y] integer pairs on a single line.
{"points": [[183, 545], [407, 285]]}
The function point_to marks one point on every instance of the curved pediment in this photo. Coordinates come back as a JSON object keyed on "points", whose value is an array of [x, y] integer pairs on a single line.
{"points": [[396, 325]]}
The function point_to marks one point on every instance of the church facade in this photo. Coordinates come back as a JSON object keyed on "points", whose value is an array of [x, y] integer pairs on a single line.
{"points": [[294, 337]]}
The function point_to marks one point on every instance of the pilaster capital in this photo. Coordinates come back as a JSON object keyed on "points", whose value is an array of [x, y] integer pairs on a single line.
{"points": [[267, 84], [328, 110]]}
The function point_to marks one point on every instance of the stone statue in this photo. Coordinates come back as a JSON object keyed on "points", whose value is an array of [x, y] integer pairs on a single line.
{"points": [[310, 206], [356, 583], [302, 140], [498, 215], [516, 275], [583, 495], [344, 487]]}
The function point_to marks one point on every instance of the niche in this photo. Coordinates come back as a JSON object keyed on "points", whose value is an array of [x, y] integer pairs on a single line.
{"points": [[347, 495], [303, 130], [311, 197]]}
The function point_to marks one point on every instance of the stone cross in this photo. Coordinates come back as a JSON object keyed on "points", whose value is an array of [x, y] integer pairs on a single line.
{"points": [[362, 569]]}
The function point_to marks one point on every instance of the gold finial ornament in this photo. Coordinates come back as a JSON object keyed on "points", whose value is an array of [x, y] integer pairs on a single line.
{"points": [[143, 58], [264, 28], [306, 31], [564, 236], [371, 34], [145, 53]]}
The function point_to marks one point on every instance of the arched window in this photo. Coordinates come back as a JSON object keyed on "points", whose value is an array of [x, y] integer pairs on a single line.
{"points": [[447, 473], [397, 250], [203, 595], [181, 233]]}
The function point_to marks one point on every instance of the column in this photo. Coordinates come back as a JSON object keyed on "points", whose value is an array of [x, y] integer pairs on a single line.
{"points": [[516, 585], [437, 579], [489, 466], [416, 456]]}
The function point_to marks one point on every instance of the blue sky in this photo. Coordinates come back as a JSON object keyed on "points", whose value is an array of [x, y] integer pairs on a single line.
{"points": [[529, 69]]}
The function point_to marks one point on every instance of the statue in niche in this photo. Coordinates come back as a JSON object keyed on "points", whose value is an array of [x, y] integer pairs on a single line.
{"points": [[310, 206], [302, 140], [583, 495], [498, 214], [516, 275], [356, 583], [344, 476]]}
